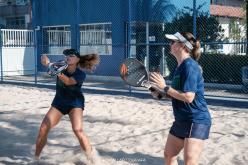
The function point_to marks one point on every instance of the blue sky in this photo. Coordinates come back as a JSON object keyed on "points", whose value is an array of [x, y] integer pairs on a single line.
{"points": [[181, 3]]}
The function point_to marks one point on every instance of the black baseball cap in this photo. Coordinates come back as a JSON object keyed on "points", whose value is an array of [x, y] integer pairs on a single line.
{"points": [[68, 52]]}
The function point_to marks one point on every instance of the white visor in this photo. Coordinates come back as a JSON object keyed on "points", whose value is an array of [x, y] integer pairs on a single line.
{"points": [[178, 37]]}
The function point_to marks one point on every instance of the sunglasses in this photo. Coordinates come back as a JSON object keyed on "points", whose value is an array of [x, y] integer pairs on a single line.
{"points": [[71, 55], [174, 41]]}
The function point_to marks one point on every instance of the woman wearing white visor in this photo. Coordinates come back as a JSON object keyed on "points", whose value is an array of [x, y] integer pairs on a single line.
{"points": [[192, 118]]}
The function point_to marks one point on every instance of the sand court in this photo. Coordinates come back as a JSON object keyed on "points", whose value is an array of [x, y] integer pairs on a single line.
{"points": [[124, 129]]}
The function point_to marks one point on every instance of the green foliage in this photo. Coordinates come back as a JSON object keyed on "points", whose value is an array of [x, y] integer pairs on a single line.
{"points": [[163, 10], [217, 68], [235, 31], [245, 18], [221, 68], [208, 27]]}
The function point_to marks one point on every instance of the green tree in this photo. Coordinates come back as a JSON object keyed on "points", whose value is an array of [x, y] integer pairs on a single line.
{"points": [[235, 33], [245, 21], [159, 11], [208, 30], [234, 30], [208, 27], [162, 10], [244, 7]]}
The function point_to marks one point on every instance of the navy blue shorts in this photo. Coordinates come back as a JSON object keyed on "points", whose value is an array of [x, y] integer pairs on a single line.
{"points": [[190, 130], [64, 107]]}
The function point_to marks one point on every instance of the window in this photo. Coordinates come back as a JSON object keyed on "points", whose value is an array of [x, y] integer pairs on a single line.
{"points": [[21, 2], [218, 2], [96, 38], [15, 22], [56, 39]]}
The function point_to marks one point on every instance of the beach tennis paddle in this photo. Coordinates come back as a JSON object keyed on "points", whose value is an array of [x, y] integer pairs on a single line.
{"points": [[56, 67], [134, 73]]}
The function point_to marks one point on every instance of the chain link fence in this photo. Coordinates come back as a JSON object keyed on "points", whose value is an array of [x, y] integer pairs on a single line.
{"points": [[136, 31], [149, 45]]}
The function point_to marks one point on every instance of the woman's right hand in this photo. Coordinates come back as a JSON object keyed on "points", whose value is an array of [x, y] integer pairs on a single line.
{"points": [[157, 80], [45, 60]]}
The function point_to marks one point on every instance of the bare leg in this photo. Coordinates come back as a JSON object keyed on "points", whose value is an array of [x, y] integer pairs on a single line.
{"points": [[192, 150], [52, 118], [172, 148], [76, 116]]}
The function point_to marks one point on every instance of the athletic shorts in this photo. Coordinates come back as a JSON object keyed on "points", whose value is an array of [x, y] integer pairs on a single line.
{"points": [[64, 107], [190, 130]]}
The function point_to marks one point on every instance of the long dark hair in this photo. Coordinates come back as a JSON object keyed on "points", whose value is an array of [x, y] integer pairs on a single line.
{"points": [[195, 52], [89, 61]]}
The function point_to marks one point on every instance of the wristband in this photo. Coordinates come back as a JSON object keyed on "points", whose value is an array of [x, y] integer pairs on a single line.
{"points": [[166, 89]]}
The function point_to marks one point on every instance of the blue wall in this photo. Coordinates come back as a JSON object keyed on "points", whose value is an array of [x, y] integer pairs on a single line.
{"points": [[75, 12], [117, 12]]}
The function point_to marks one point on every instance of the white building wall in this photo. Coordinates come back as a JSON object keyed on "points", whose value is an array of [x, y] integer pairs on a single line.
{"points": [[17, 52], [18, 61], [225, 24]]}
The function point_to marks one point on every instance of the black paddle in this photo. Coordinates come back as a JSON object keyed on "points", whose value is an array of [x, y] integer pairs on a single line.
{"points": [[134, 73]]}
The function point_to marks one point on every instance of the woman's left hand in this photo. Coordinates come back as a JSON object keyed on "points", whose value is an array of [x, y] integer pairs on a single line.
{"points": [[158, 79]]}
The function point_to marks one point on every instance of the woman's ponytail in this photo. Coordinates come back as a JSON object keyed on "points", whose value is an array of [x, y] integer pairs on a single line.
{"points": [[89, 61]]}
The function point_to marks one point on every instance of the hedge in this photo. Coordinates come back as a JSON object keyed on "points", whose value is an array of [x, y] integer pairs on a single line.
{"points": [[217, 68]]}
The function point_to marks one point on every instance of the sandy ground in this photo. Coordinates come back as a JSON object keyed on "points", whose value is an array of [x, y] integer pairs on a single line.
{"points": [[124, 129]]}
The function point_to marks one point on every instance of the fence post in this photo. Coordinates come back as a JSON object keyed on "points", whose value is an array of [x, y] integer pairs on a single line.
{"points": [[1, 57], [35, 39], [128, 28], [77, 28], [194, 17], [36, 53], [246, 5], [147, 46]]}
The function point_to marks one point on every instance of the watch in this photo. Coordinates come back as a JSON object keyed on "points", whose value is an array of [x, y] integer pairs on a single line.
{"points": [[166, 89]]}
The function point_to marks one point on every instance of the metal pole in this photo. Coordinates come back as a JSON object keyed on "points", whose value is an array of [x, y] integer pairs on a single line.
{"points": [[77, 26], [35, 29], [36, 53], [147, 46], [129, 30], [1, 57], [246, 27], [129, 37], [194, 17]]}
